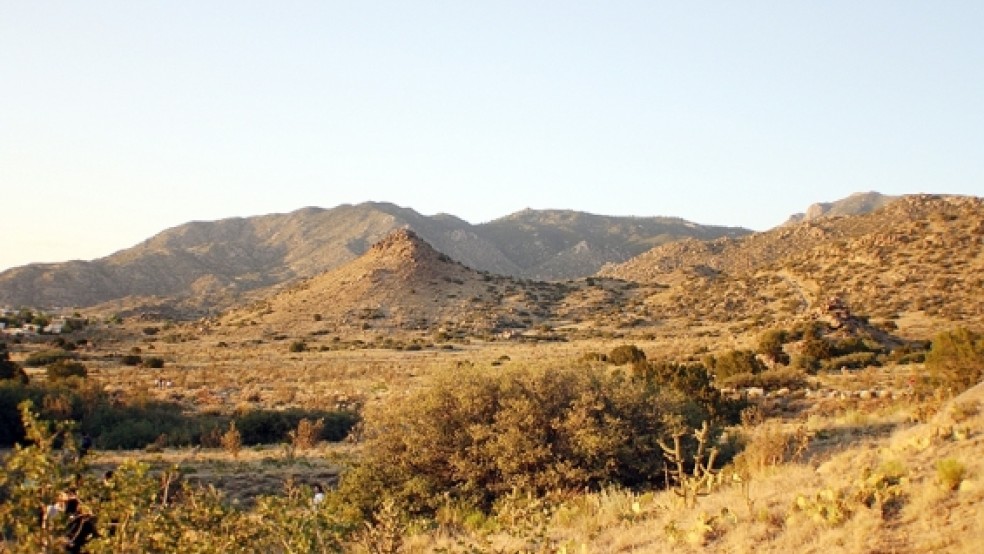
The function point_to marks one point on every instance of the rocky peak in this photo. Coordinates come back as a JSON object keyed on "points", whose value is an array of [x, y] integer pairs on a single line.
{"points": [[406, 246]]}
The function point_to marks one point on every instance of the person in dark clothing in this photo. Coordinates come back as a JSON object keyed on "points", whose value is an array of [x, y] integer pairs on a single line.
{"points": [[80, 528], [85, 445]]}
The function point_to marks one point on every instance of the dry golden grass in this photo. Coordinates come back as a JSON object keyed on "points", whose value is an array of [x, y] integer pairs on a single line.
{"points": [[850, 437]]}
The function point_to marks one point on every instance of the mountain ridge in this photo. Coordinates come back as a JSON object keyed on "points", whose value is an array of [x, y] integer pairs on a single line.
{"points": [[208, 264]]}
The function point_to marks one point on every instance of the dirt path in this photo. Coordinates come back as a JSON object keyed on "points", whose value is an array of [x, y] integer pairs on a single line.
{"points": [[803, 289]]}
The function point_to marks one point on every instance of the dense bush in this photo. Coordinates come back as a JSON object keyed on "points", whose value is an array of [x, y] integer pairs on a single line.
{"points": [[12, 393], [855, 345], [771, 343], [817, 348], [8, 369], [62, 369], [298, 346], [471, 438], [42, 358], [693, 382], [956, 359], [153, 362], [733, 362], [626, 354], [770, 379], [115, 425], [131, 359], [265, 427], [856, 360]]}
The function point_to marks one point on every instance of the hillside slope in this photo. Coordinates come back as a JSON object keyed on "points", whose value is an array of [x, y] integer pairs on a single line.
{"points": [[918, 263]]}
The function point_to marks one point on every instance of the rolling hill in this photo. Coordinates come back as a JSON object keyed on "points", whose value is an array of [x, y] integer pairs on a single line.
{"points": [[403, 284]]}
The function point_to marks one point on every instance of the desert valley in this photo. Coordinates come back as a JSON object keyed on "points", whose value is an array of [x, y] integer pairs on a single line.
{"points": [[550, 381]]}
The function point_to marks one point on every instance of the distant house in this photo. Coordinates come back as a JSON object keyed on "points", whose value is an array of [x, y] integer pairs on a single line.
{"points": [[55, 327]]}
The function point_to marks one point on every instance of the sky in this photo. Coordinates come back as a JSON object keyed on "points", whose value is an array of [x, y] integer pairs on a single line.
{"points": [[121, 119]]}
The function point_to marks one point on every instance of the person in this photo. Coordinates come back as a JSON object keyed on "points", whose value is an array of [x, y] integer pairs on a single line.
{"points": [[54, 510], [319, 495], [85, 445], [105, 497], [80, 529]]}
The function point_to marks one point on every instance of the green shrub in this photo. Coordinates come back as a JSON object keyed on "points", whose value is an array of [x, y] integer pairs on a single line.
{"points": [[956, 359], [298, 346], [626, 354], [807, 363], [10, 370], [733, 362], [63, 369], [770, 379], [267, 426], [42, 358], [816, 347], [131, 359], [154, 362], [476, 437], [950, 473], [857, 360], [770, 344], [691, 381], [854, 345]]}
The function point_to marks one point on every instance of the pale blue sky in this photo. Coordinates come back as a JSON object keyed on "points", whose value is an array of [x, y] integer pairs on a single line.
{"points": [[121, 119]]}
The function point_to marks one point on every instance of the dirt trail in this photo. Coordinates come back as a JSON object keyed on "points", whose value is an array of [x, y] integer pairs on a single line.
{"points": [[804, 289]]}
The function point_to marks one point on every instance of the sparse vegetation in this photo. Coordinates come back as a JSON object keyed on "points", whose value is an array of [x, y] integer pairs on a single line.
{"points": [[509, 415]]}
